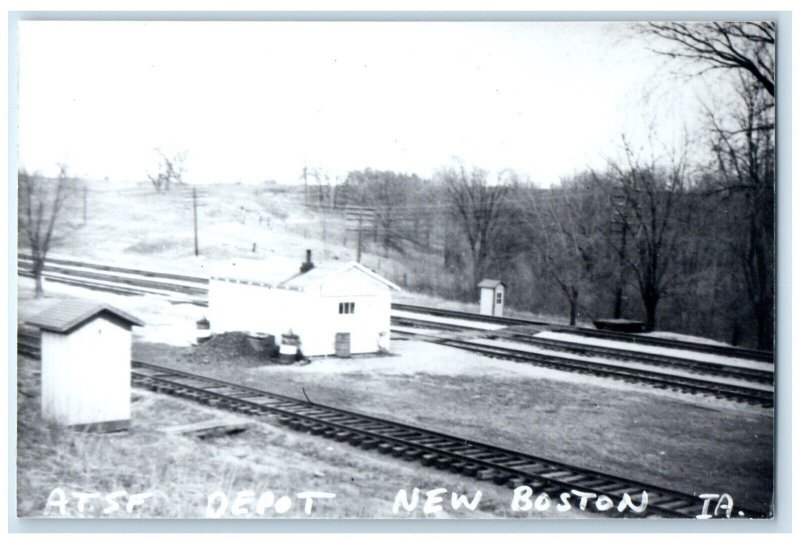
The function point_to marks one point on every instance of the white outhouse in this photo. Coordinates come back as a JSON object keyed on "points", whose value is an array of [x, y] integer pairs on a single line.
{"points": [[86, 364], [334, 307], [493, 294]]}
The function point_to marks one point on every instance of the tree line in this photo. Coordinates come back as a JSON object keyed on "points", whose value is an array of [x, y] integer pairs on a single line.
{"points": [[680, 244]]}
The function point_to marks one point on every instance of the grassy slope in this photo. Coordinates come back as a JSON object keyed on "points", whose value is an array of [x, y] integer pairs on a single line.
{"points": [[132, 225]]}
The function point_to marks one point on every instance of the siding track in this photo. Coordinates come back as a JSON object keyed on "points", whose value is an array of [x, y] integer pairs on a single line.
{"points": [[658, 361], [661, 380], [727, 351]]}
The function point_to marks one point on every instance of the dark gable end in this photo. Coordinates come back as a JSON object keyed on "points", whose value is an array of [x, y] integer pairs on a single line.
{"points": [[72, 314]]}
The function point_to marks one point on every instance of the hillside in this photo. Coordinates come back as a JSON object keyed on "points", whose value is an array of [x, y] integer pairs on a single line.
{"points": [[130, 224]]}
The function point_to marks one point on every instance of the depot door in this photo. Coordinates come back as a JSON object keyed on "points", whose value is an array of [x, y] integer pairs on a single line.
{"points": [[342, 346]]}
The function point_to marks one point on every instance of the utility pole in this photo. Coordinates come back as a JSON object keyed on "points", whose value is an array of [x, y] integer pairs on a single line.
{"points": [[305, 184], [324, 210], [358, 255], [194, 207]]}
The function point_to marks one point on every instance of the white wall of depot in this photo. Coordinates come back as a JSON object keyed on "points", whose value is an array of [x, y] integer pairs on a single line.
{"points": [[312, 314]]}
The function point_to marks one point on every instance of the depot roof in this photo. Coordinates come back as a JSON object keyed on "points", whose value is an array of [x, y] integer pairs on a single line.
{"points": [[282, 275]]}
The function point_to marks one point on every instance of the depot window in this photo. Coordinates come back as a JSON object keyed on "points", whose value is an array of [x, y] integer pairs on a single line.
{"points": [[347, 307], [499, 298]]}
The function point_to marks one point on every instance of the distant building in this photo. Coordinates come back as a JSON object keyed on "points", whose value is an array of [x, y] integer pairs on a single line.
{"points": [[86, 364], [334, 307], [493, 293]]}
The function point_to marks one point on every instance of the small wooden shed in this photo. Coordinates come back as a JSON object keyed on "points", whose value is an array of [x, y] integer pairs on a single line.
{"points": [[86, 364], [493, 294]]}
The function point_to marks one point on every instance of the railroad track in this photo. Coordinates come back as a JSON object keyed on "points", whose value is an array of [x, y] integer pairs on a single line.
{"points": [[430, 448], [660, 380], [103, 277], [727, 351], [691, 365], [121, 281], [52, 261], [90, 284], [481, 461], [704, 367]]}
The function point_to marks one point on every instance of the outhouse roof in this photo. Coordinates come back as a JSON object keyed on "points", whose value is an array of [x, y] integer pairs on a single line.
{"points": [[491, 284], [72, 313]]}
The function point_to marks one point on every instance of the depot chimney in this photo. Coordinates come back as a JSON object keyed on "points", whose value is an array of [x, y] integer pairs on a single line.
{"points": [[308, 265]]}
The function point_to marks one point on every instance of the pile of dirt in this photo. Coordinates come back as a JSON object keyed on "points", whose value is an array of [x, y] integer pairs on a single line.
{"points": [[232, 347]]}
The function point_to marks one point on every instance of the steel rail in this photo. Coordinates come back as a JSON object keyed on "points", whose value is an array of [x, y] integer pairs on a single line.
{"points": [[113, 268], [690, 385], [729, 351], [705, 367], [431, 448], [632, 375]]}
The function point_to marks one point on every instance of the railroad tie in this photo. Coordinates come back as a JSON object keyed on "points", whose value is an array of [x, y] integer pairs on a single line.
{"points": [[443, 462], [356, 439], [515, 481], [342, 436], [288, 421], [500, 478], [398, 450], [457, 466], [369, 444], [486, 474], [318, 429], [412, 454], [470, 469], [429, 458]]}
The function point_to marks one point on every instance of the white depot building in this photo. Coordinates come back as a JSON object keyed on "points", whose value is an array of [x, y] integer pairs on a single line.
{"points": [[334, 307]]}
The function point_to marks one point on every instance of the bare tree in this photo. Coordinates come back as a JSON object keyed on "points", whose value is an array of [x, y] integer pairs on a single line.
{"points": [[743, 143], [744, 148], [653, 197], [746, 46], [170, 171], [477, 206], [566, 229], [40, 202], [392, 199]]}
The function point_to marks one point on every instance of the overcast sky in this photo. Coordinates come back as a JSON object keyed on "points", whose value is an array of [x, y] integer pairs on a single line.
{"points": [[250, 101]]}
